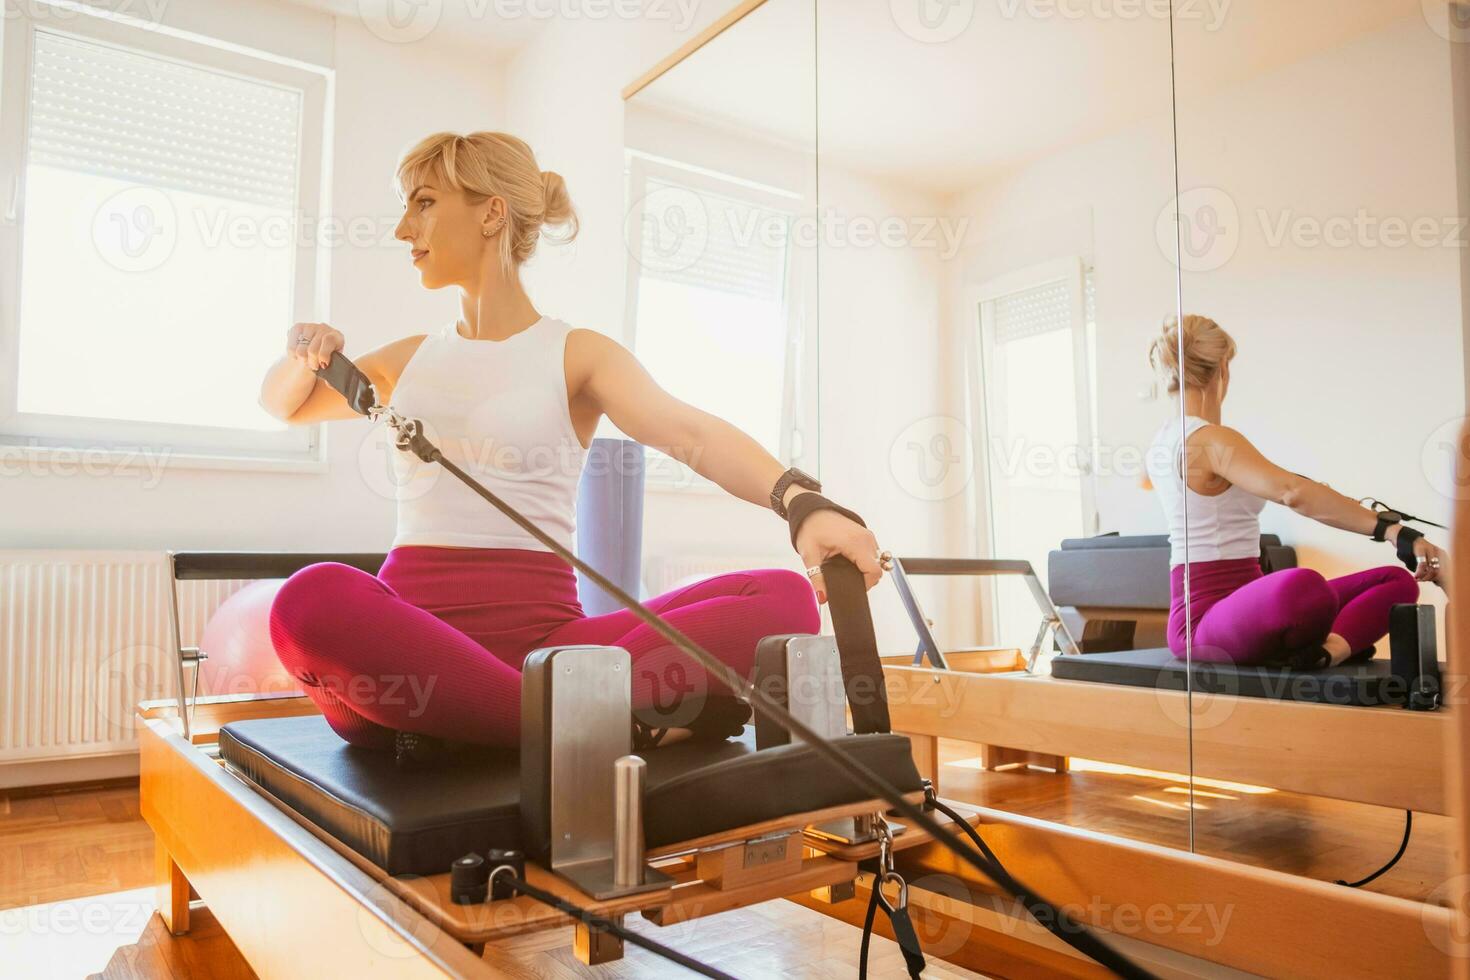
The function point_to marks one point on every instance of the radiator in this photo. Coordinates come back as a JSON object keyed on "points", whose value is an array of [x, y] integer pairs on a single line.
{"points": [[85, 636]]}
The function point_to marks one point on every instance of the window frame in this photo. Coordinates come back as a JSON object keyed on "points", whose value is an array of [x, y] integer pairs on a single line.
{"points": [[979, 341], [125, 443], [799, 368]]}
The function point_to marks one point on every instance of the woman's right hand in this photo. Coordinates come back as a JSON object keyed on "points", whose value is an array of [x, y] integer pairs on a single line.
{"points": [[313, 343]]}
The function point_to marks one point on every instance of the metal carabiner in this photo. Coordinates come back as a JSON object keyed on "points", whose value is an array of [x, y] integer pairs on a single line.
{"points": [[903, 892], [887, 872]]}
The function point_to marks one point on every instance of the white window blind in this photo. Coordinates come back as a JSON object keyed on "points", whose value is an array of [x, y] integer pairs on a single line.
{"points": [[708, 240], [109, 112], [1033, 312]]}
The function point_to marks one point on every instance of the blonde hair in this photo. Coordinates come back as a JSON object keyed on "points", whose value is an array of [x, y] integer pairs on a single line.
{"points": [[484, 165], [1192, 350]]}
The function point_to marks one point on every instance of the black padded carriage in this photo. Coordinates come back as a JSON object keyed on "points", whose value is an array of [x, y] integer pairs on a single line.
{"points": [[418, 821], [1367, 684]]}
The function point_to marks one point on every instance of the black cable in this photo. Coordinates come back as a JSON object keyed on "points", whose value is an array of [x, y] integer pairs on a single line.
{"points": [[607, 925], [1056, 921], [1025, 896], [868, 928], [1403, 846]]}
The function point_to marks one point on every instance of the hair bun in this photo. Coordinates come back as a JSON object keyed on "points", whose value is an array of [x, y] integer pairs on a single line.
{"points": [[558, 209], [1190, 352]]}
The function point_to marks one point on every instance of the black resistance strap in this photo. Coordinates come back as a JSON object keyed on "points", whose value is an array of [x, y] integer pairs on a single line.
{"points": [[857, 647], [410, 437]]}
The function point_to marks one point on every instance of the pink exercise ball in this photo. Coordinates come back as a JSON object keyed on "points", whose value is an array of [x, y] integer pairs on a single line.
{"points": [[237, 640]]}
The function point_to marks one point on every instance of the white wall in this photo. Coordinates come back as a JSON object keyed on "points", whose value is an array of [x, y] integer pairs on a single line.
{"points": [[882, 360], [387, 97], [1097, 202]]}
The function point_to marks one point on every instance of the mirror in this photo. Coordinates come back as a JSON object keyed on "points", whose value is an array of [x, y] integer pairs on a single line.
{"points": [[998, 215], [721, 298], [1019, 158], [1322, 225]]}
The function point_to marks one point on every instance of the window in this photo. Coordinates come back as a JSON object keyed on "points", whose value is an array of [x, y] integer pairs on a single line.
{"points": [[154, 228], [718, 308], [1036, 375]]}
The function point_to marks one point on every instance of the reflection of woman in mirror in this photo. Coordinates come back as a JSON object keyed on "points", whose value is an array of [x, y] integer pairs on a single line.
{"points": [[1238, 613]]}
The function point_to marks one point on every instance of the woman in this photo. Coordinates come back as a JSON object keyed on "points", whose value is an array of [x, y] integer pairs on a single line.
{"points": [[433, 644], [1237, 613]]}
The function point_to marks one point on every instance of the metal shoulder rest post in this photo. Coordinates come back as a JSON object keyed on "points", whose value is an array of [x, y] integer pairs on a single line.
{"points": [[1051, 620]]}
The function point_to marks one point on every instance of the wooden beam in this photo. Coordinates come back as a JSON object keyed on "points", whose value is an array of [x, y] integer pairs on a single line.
{"points": [[289, 903], [172, 890], [1384, 756], [724, 23], [1248, 918], [1457, 633]]}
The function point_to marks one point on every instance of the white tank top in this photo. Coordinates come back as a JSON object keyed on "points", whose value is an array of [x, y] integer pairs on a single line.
{"points": [[498, 410], [1226, 525]]}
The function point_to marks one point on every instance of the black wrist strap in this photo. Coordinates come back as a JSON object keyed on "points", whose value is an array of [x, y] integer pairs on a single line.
{"points": [[1405, 547], [1383, 523], [804, 505]]}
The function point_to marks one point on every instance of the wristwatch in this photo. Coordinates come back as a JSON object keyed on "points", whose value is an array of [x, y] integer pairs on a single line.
{"points": [[1386, 519], [793, 475]]}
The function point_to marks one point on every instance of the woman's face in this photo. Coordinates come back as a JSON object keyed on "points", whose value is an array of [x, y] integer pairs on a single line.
{"points": [[446, 233]]}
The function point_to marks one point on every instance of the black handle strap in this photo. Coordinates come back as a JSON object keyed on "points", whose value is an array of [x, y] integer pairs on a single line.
{"points": [[1404, 546], [857, 645]]}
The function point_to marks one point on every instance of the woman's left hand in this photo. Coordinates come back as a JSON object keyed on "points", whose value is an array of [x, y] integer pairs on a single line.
{"points": [[826, 533], [1433, 562]]}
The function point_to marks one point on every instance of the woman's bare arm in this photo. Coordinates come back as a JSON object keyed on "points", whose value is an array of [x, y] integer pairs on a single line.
{"points": [[1219, 453], [293, 393], [624, 391]]}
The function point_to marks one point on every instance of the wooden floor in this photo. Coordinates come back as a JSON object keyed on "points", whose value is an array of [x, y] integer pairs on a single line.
{"points": [[91, 841], [1301, 835]]}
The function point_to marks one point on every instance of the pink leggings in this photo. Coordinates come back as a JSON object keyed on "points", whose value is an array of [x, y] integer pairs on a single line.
{"points": [[1243, 616], [435, 642]]}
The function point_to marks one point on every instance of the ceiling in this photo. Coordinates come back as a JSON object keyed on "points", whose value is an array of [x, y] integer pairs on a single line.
{"points": [[468, 25], [1008, 88]]}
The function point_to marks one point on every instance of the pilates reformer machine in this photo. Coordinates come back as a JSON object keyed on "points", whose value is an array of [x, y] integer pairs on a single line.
{"points": [[321, 859], [582, 811]]}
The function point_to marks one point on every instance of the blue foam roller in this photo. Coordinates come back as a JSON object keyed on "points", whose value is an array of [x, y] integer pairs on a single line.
{"points": [[610, 521]]}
